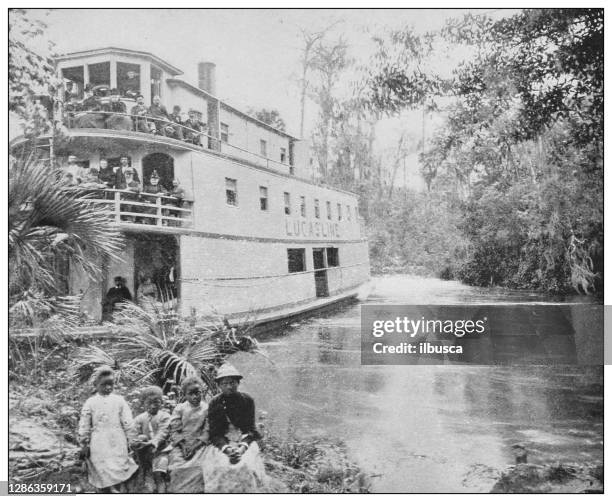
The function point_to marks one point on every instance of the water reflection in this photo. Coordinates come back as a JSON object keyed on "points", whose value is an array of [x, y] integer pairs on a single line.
{"points": [[426, 428]]}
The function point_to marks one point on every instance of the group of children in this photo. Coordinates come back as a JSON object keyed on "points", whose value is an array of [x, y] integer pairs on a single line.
{"points": [[193, 449]]}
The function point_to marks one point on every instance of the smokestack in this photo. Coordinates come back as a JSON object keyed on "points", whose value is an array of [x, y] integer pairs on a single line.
{"points": [[206, 77]]}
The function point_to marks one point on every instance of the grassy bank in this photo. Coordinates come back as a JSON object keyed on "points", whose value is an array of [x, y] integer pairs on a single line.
{"points": [[44, 405]]}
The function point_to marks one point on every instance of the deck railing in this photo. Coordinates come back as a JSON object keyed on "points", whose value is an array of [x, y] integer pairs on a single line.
{"points": [[162, 127], [147, 209]]}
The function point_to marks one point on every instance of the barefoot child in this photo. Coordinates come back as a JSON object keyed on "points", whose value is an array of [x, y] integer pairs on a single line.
{"points": [[151, 430], [189, 435], [104, 426]]}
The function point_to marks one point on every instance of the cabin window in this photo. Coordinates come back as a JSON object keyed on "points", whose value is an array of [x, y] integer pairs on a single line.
{"points": [[348, 212], [303, 206], [356, 214], [99, 74], [283, 155], [332, 257], [317, 209], [263, 147], [156, 82], [296, 259], [263, 198], [76, 76], [287, 196], [339, 212], [128, 79], [231, 192], [328, 207], [224, 132]]}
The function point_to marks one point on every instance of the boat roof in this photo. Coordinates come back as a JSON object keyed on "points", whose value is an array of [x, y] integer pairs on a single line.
{"points": [[173, 70]]}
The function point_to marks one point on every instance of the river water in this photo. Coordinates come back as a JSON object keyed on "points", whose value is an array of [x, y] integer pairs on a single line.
{"points": [[423, 428]]}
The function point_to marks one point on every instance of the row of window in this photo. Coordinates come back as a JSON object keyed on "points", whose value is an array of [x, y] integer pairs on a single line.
{"points": [[127, 75], [231, 197], [296, 259], [263, 144]]}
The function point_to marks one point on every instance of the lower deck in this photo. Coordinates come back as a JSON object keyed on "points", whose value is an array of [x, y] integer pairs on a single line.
{"points": [[241, 279]]}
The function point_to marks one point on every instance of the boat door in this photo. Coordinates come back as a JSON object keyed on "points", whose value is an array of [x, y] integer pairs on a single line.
{"points": [[318, 258]]}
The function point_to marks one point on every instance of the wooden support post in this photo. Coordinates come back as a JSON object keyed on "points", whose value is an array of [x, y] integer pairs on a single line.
{"points": [[158, 201], [117, 207]]}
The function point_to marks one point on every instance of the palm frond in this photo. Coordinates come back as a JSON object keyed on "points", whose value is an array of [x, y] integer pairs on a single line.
{"points": [[48, 220]]}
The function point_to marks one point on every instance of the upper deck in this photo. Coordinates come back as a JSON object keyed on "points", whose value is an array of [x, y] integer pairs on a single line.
{"points": [[134, 72], [244, 179]]}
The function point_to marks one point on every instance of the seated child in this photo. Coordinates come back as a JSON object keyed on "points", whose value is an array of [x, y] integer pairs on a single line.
{"points": [[188, 435], [104, 428], [232, 462], [151, 430]]}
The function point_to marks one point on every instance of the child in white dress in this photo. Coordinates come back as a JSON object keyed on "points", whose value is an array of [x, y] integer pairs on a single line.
{"points": [[104, 428]]}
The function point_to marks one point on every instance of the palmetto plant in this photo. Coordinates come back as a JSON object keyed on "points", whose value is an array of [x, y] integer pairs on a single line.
{"points": [[49, 222], [154, 345]]}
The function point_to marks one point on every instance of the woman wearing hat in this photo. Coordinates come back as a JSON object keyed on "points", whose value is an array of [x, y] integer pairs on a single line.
{"points": [[232, 463]]}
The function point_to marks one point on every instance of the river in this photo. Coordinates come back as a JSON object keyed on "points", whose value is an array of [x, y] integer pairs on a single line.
{"points": [[423, 428]]}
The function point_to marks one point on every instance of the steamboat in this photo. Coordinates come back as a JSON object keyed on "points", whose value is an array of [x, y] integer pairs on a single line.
{"points": [[250, 235]]}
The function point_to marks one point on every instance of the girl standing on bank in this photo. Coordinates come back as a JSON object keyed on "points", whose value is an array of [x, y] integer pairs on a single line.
{"points": [[104, 428]]}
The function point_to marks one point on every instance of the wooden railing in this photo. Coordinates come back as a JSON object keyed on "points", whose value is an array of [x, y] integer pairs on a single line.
{"points": [[147, 209]]}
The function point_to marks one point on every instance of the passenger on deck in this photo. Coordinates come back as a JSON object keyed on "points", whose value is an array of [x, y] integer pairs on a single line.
{"points": [[91, 178], [69, 91], [195, 127], [73, 171], [71, 108], [177, 120], [130, 182], [117, 294], [90, 104], [147, 291], [130, 85], [178, 192], [120, 172], [106, 174], [91, 101], [139, 116], [158, 111], [117, 118], [133, 186], [153, 187]]}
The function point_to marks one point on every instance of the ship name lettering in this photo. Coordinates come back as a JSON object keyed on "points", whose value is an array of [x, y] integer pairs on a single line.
{"points": [[304, 228]]}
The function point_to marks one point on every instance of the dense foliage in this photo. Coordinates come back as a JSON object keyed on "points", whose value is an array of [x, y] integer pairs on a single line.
{"points": [[521, 146], [49, 225], [31, 71]]}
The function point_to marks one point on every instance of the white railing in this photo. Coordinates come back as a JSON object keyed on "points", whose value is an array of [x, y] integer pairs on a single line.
{"points": [[160, 126], [147, 209]]}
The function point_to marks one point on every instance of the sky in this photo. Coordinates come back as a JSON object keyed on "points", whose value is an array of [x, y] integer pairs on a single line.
{"points": [[256, 51]]}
